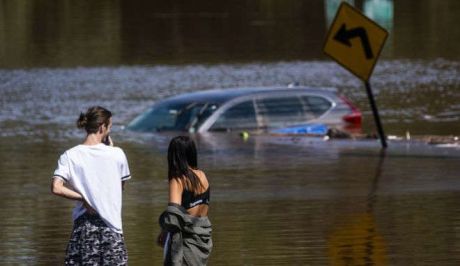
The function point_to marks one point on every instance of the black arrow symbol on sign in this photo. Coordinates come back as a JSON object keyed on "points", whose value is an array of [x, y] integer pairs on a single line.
{"points": [[343, 36]]}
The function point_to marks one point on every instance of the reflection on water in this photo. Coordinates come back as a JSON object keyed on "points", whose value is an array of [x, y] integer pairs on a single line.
{"points": [[381, 11], [332, 6], [60, 34], [273, 203], [357, 241]]}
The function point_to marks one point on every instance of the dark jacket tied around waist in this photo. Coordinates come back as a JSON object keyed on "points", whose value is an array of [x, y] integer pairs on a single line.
{"points": [[191, 241]]}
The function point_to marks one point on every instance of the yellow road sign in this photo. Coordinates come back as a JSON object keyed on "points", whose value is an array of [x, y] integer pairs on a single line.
{"points": [[355, 41]]}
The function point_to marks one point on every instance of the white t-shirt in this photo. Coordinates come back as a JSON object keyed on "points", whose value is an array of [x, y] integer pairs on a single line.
{"points": [[96, 172]]}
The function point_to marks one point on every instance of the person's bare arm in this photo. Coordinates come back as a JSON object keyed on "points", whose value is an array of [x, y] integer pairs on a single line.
{"points": [[175, 191], [175, 196], [58, 188]]}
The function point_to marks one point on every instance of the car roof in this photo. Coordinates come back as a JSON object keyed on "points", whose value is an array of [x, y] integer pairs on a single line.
{"points": [[224, 95]]}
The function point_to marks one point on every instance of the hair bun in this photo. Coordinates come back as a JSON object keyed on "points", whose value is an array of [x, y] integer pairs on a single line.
{"points": [[82, 121], [93, 119]]}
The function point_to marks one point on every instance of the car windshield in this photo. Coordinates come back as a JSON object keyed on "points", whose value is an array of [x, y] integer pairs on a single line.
{"points": [[173, 116]]}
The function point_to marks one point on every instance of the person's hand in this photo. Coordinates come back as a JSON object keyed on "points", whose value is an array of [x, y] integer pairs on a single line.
{"points": [[88, 208], [110, 141], [161, 239]]}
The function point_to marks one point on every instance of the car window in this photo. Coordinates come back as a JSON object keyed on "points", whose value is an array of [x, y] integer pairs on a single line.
{"points": [[279, 112], [240, 116], [162, 116], [316, 105], [173, 117], [203, 112]]}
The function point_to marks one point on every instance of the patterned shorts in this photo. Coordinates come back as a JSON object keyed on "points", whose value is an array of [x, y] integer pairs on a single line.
{"points": [[93, 243]]}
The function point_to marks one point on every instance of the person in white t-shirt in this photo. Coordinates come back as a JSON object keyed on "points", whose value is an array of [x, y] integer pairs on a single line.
{"points": [[93, 174]]}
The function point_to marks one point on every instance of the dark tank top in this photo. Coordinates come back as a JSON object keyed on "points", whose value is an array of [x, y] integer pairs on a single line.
{"points": [[189, 200]]}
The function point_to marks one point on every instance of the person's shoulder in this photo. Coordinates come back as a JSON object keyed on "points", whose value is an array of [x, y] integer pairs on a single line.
{"points": [[201, 174], [117, 151], [71, 151]]}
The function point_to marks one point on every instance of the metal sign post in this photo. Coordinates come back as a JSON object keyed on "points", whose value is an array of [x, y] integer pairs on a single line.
{"points": [[375, 111], [355, 42]]}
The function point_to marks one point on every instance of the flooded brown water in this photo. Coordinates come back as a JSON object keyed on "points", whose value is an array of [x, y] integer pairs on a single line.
{"points": [[275, 201], [333, 203]]}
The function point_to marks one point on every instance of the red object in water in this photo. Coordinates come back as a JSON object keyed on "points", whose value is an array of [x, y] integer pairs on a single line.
{"points": [[355, 117]]}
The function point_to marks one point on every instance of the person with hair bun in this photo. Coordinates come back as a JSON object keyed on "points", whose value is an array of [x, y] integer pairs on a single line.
{"points": [[93, 175]]}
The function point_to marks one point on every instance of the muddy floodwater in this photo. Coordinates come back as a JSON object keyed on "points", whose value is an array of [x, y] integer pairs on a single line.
{"points": [[275, 200]]}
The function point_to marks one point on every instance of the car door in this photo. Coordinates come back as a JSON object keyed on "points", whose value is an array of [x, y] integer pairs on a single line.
{"points": [[315, 106], [241, 116], [280, 111]]}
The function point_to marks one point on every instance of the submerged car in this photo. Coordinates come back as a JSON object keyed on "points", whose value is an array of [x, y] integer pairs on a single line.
{"points": [[249, 109]]}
